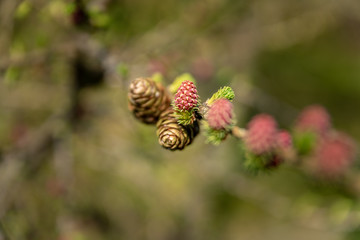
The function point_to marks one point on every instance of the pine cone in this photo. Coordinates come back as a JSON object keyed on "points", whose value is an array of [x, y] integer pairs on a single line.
{"points": [[261, 135], [147, 99], [314, 118], [283, 140], [220, 114], [335, 154], [186, 97], [172, 135], [283, 149]]}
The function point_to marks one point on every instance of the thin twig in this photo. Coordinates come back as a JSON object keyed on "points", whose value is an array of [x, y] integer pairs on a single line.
{"points": [[238, 132]]}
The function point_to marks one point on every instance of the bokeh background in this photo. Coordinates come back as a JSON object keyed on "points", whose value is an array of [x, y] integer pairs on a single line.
{"points": [[76, 165]]}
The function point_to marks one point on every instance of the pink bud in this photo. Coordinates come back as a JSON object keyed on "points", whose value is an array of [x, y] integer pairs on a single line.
{"points": [[283, 140], [314, 118], [261, 135], [335, 153], [220, 114]]}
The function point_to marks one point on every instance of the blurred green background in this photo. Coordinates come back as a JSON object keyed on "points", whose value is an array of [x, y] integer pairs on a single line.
{"points": [[76, 165]]}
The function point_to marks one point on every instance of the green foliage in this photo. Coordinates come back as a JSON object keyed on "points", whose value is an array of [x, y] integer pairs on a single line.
{"points": [[304, 142], [214, 136], [178, 80], [100, 19], [255, 163], [12, 74], [224, 92], [23, 10], [157, 77], [123, 70], [185, 117], [353, 234]]}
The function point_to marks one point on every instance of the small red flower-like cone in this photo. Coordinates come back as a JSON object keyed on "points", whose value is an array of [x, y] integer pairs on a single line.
{"points": [[283, 140], [335, 154], [186, 97], [261, 135], [220, 114], [314, 118], [283, 144], [283, 149]]}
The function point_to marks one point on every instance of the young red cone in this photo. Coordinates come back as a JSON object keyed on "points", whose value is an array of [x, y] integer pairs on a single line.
{"points": [[220, 114], [335, 154], [314, 118], [186, 97], [261, 135], [283, 140]]}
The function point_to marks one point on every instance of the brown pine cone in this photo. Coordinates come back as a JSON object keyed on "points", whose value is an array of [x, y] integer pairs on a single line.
{"points": [[147, 99], [172, 135]]}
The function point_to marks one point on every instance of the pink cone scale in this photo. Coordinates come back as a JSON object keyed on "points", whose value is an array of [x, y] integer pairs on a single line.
{"points": [[220, 114], [186, 97], [282, 149], [283, 140], [335, 154], [261, 135], [314, 118]]}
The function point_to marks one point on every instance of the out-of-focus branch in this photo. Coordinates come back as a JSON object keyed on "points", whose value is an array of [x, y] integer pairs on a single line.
{"points": [[7, 11], [238, 132], [29, 157]]}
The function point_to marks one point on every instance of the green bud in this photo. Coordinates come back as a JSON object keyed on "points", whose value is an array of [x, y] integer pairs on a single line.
{"points": [[178, 80], [225, 92]]}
